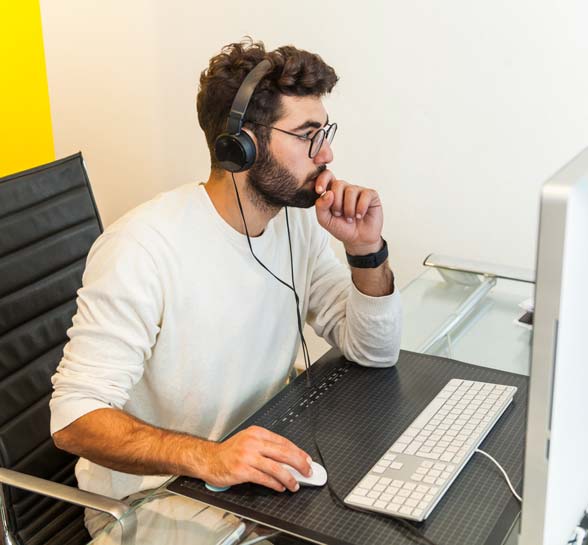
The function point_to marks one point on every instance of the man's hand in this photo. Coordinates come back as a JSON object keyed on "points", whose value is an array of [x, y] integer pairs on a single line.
{"points": [[256, 455], [352, 214]]}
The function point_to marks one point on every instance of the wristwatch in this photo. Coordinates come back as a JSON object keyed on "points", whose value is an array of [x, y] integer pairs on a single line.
{"points": [[369, 261]]}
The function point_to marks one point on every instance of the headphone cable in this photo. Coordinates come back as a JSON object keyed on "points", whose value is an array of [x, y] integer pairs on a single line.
{"points": [[414, 532]]}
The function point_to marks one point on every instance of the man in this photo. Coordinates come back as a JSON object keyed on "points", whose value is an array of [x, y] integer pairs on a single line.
{"points": [[181, 332]]}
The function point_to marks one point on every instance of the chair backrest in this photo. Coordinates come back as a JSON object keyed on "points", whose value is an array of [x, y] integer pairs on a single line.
{"points": [[48, 222]]}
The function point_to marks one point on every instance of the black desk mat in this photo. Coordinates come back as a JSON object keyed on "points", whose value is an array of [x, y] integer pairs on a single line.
{"points": [[361, 412]]}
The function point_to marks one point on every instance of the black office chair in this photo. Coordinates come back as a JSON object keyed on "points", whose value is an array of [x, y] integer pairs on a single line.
{"points": [[48, 221]]}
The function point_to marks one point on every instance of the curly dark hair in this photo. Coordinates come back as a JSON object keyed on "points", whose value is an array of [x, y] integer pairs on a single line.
{"points": [[294, 72]]}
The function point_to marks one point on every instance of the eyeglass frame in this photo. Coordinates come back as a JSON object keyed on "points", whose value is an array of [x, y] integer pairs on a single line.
{"points": [[324, 130]]}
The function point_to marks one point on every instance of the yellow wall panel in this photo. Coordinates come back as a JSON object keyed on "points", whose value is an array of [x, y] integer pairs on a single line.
{"points": [[26, 139]]}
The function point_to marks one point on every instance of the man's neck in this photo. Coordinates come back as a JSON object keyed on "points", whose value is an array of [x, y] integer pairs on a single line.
{"points": [[221, 192]]}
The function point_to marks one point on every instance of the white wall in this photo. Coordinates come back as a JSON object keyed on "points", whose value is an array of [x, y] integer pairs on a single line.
{"points": [[455, 111]]}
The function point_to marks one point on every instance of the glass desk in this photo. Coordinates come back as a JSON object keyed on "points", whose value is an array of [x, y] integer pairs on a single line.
{"points": [[463, 316]]}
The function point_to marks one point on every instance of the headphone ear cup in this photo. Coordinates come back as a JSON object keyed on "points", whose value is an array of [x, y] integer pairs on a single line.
{"points": [[235, 152]]}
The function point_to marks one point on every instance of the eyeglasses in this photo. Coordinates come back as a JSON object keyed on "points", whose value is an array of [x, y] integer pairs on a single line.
{"points": [[316, 140]]}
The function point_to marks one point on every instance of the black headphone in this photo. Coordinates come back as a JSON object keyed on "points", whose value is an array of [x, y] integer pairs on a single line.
{"points": [[235, 149]]}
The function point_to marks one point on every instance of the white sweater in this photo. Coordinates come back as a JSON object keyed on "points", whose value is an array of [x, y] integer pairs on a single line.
{"points": [[178, 325]]}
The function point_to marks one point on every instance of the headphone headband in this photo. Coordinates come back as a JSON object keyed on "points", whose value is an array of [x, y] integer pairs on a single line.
{"points": [[235, 149], [243, 96]]}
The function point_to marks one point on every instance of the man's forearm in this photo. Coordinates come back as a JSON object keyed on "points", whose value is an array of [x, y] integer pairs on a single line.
{"points": [[119, 441], [374, 282]]}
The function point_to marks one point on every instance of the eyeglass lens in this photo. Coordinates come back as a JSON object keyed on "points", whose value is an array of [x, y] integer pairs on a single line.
{"points": [[319, 138]]}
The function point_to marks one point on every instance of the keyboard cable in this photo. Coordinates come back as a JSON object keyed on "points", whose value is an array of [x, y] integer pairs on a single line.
{"points": [[503, 473]]}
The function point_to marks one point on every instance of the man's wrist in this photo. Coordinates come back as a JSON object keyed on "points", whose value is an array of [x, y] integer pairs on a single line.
{"points": [[361, 257], [195, 457], [364, 249]]}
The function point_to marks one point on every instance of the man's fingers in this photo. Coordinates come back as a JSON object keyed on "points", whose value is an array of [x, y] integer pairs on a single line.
{"points": [[280, 449], [366, 198], [264, 479], [279, 473], [294, 457], [350, 202], [338, 189]]}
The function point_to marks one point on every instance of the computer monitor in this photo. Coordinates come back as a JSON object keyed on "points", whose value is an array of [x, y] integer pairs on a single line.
{"points": [[555, 491]]}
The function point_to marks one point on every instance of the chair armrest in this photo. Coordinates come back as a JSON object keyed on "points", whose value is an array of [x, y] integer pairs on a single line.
{"points": [[63, 492]]}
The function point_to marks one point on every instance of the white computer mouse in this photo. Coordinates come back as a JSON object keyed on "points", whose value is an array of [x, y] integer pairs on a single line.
{"points": [[318, 477]]}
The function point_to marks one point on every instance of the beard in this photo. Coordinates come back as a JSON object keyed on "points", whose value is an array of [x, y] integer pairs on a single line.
{"points": [[273, 186]]}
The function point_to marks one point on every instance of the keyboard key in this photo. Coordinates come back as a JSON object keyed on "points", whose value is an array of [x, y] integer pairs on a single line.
{"points": [[397, 483], [368, 481], [380, 504], [386, 497], [360, 491], [417, 477], [409, 486], [403, 493], [379, 488], [427, 464], [398, 448], [373, 494], [413, 447], [395, 507], [361, 500], [406, 510], [396, 465], [379, 469], [411, 503], [385, 481]]}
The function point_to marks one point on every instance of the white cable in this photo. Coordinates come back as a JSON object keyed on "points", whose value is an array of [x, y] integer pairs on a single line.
{"points": [[503, 473]]}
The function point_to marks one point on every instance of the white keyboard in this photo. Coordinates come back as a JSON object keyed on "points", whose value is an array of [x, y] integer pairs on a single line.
{"points": [[412, 476]]}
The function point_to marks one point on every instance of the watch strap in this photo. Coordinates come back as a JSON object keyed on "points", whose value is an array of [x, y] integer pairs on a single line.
{"points": [[369, 261]]}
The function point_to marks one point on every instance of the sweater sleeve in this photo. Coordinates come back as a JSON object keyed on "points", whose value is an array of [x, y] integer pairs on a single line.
{"points": [[365, 329], [113, 332]]}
